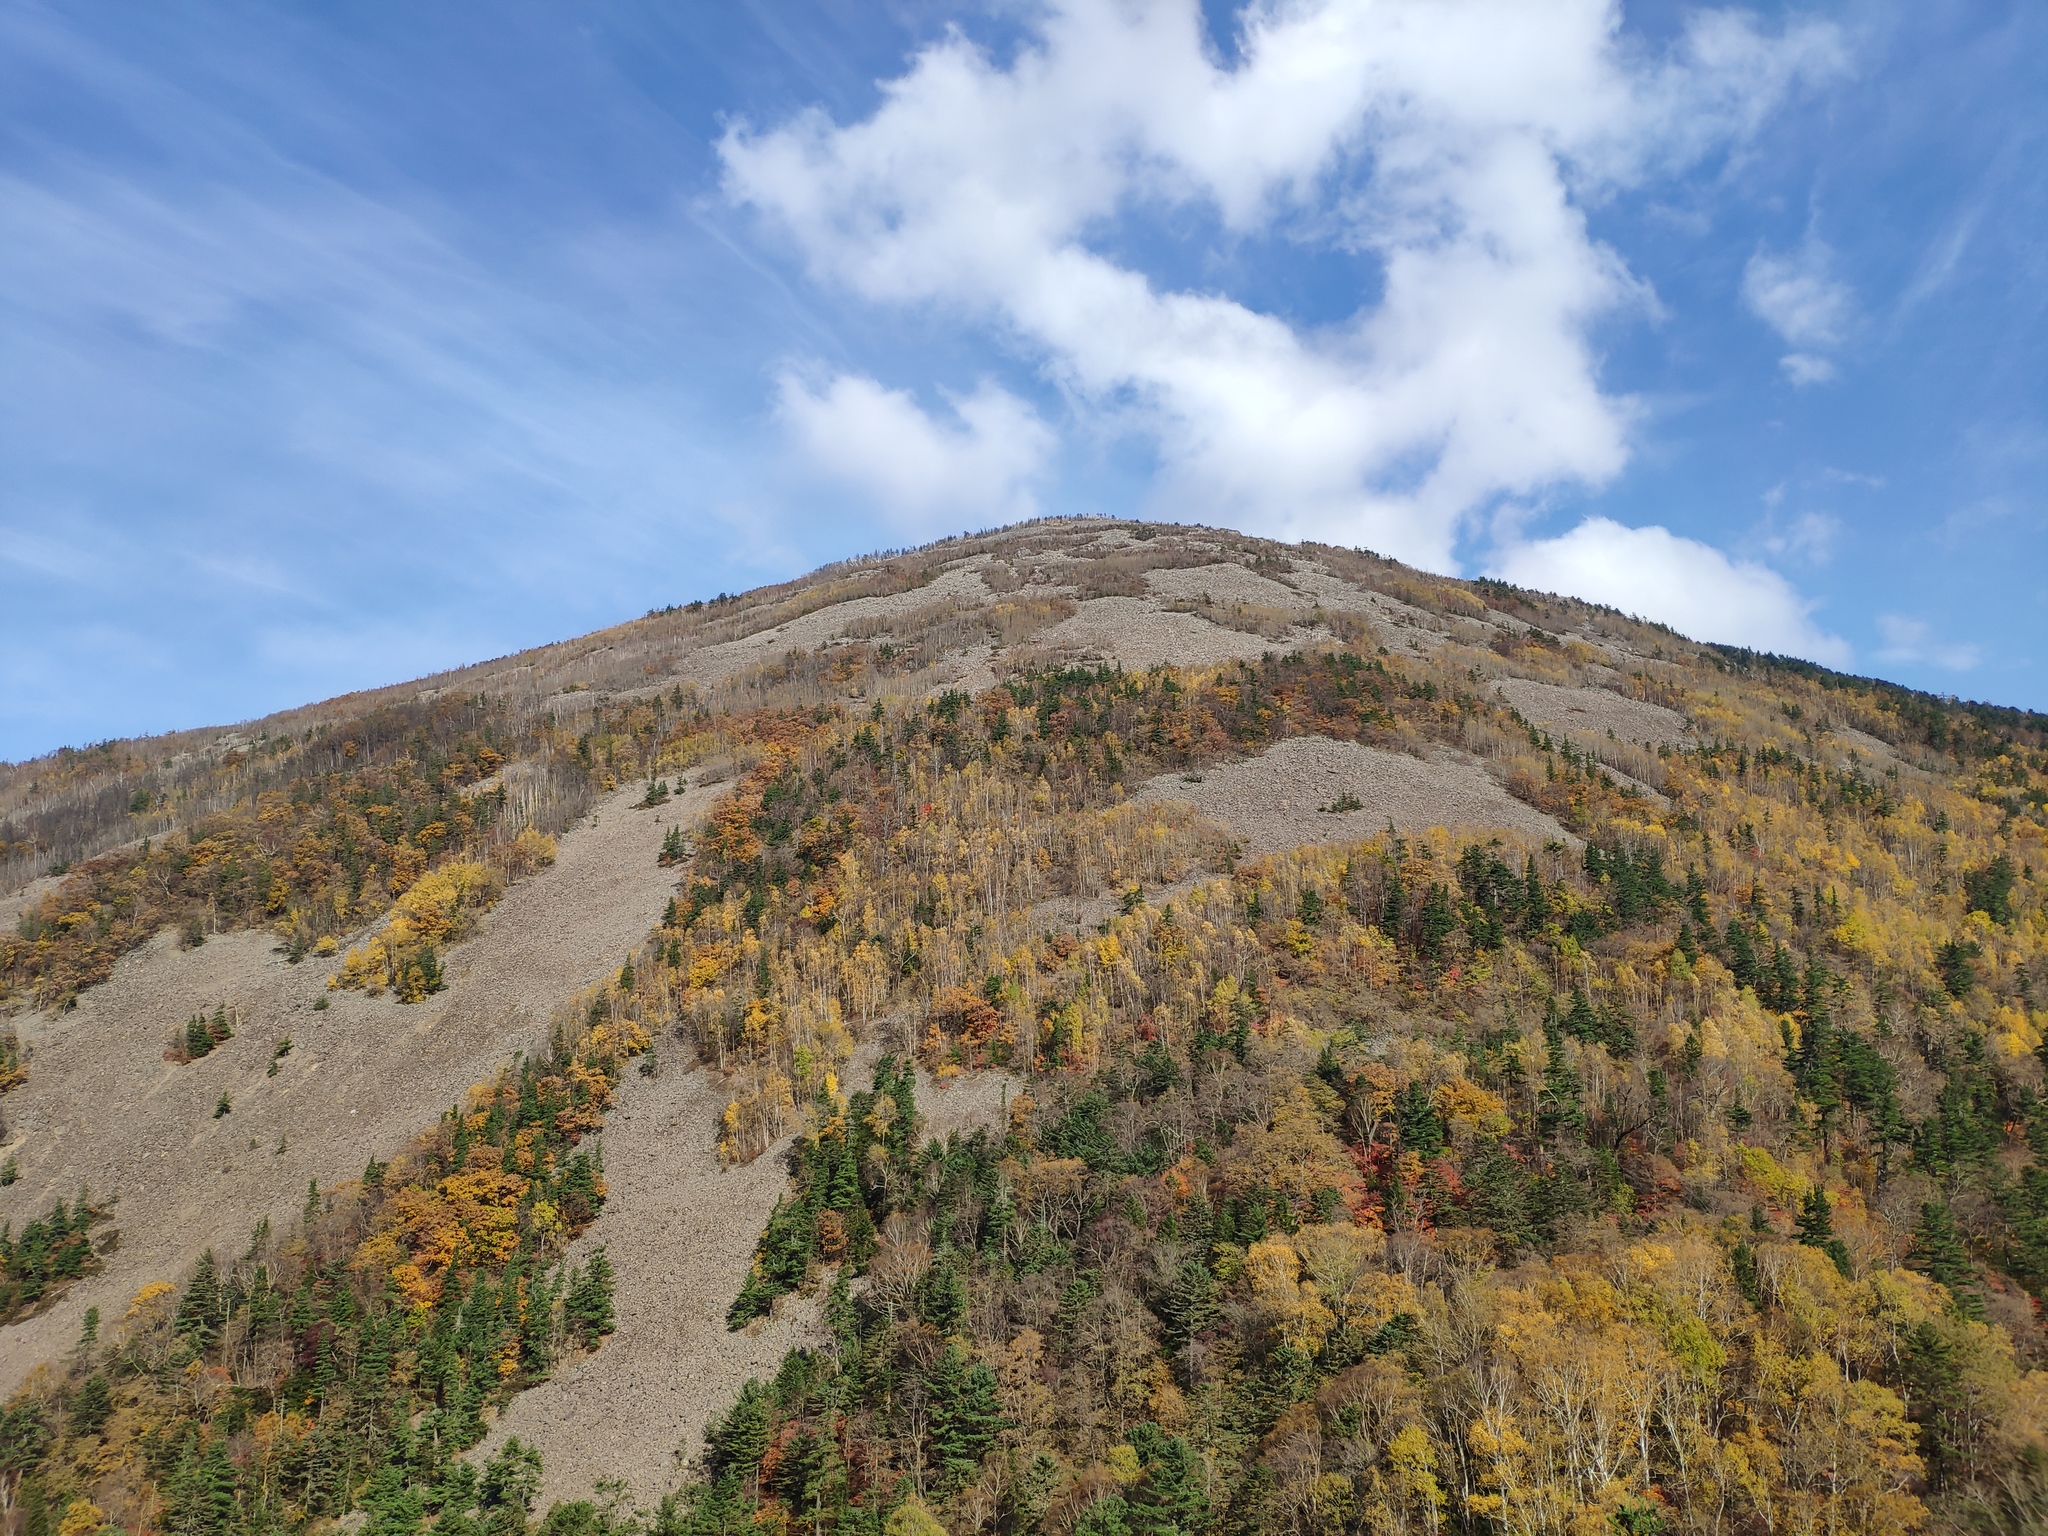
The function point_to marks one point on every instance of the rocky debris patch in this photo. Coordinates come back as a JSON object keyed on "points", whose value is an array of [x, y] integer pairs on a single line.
{"points": [[1077, 914], [960, 583], [16, 902], [1879, 754], [1401, 626], [1138, 633], [1272, 801], [1594, 712], [104, 1110], [679, 1234], [1225, 583]]}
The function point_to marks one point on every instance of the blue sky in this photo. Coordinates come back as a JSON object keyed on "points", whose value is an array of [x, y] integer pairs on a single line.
{"points": [[341, 344]]}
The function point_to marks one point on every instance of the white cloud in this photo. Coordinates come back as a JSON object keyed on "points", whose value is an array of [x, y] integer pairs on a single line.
{"points": [[1690, 586], [1797, 297], [921, 472], [1909, 640], [1452, 146], [1803, 368], [1811, 537]]}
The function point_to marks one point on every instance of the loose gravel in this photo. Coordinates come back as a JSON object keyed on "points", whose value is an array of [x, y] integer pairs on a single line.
{"points": [[1271, 801], [103, 1111], [1137, 632], [1225, 583], [1593, 712], [715, 663], [680, 1234]]}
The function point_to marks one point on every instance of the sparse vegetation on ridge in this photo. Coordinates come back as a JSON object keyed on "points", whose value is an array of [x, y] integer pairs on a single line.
{"points": [[313, 840]]}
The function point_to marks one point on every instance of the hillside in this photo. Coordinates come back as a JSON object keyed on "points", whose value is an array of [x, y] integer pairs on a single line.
{"points": [[1120, 1028]]}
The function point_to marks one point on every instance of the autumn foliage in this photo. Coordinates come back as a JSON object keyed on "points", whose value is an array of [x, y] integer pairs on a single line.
{"points": [[276, 1389], [1685, 1173], [316, 839], [1402, 1185]]}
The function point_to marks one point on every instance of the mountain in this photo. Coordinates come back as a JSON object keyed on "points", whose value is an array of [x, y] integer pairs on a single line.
{"points": [[1091, 1027]]}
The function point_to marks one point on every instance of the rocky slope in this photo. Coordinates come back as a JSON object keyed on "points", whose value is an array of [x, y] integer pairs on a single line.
{"points": [[1487, 682]]}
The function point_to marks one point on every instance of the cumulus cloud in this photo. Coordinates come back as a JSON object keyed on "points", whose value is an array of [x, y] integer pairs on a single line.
{"points": [[922, 473], [1910, 640], [1690, 586], [1451, 147], [1796, 296]]}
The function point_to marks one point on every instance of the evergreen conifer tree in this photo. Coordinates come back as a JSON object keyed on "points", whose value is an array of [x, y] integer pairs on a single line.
{"points": [[1535, 905], [737, 1442], [1741, 947], [1936, 1375], [842, 1318], [842, 1191], [536, 1323], [1952, 964], [199, 1309], [1168, 1500], [1499, 1188], [394, 1507], [1558, 1109], [1817, 1066], [510, 1481], [34, 1507], [207, 1498], [1743, 1262], [1817, 1230], [942, 1295], [1940, 1253], [1437, 922], [1581, 1022], [93, 1405], [464, 1418], [966, 1414], [1391, 904], [1189, 1305], [587, 1309], [1416, 1117], [1696, 900], [1815, 1222]]}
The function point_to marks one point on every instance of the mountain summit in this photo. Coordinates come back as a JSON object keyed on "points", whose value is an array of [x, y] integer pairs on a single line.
{"points": [[1089, 1028]]}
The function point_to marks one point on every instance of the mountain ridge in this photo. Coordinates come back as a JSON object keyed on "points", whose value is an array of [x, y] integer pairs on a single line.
{"points": [[20, 848], [1473, 942]]}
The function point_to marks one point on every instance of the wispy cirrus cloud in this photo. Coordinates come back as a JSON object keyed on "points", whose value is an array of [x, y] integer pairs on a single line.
{"points": [[1810, 537], [1909, 640], [1797, 295]]}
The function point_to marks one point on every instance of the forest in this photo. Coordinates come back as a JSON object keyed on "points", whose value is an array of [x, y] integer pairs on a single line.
{"points": [[1687, 1182], [1686, 1172]]}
